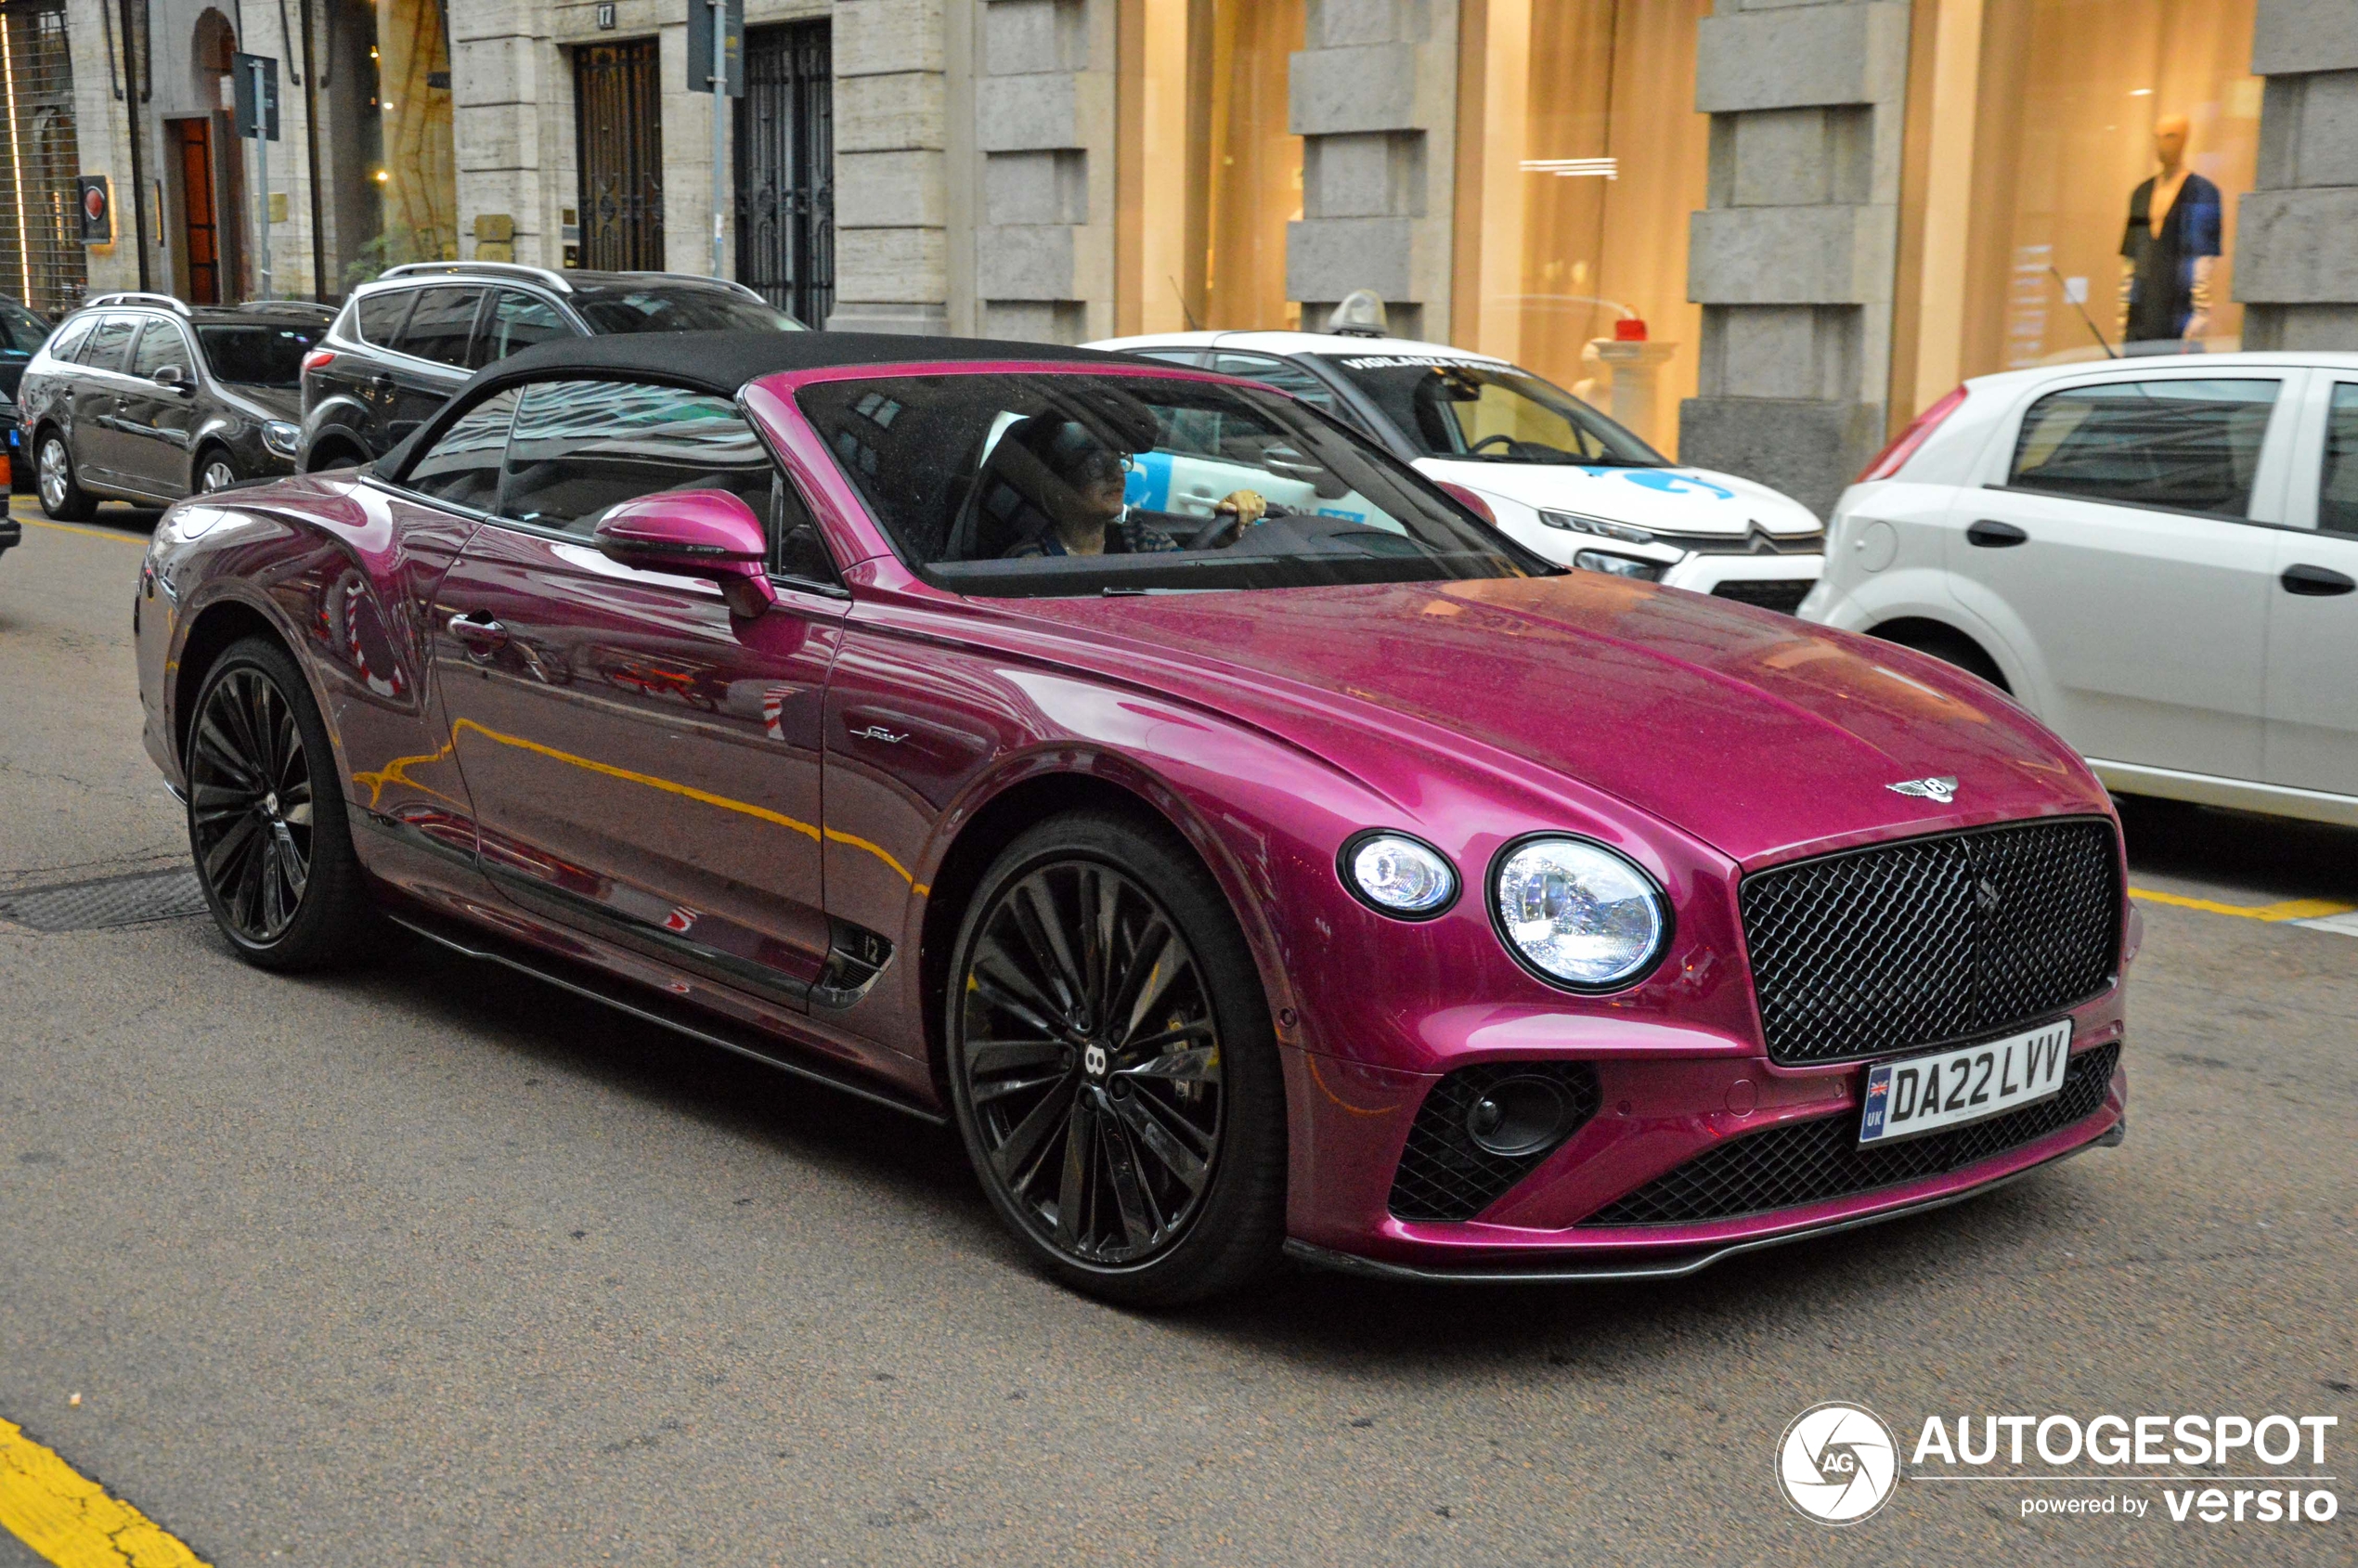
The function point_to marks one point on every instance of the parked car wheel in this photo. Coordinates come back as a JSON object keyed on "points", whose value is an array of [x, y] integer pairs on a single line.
{"points": [[62, 496], [1112, 1065], [267, 822], [214, 471]]}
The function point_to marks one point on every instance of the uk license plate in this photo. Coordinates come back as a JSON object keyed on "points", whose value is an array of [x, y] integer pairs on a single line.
{"points": [[1926, 1094]]}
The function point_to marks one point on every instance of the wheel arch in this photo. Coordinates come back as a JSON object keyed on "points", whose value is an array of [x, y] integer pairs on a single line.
{"points": [[1110, 784], [217, 627], [340, 442], [1914, 631]]}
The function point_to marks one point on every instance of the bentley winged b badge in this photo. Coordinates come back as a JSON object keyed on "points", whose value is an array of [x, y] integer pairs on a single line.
{"points": [[1939, 791]]}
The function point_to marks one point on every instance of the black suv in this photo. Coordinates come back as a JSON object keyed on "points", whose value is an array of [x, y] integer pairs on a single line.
{"points": [[411, 338], [141, 397]]}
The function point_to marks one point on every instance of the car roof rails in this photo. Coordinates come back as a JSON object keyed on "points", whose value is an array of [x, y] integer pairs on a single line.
{"points": [[132, 296], [542, 275], [701, 277], [286, 308]]}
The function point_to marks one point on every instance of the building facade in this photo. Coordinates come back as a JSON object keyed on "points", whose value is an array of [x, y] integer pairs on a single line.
{"points": [[1764, 232]]}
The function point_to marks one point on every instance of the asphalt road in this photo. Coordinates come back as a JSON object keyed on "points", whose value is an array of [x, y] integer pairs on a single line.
{"points": [[423, 1265]]}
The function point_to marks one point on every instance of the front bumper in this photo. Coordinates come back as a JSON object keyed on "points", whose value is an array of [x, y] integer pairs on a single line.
{"points": [[11, 534], [1777, 582], [1657, 1116]]}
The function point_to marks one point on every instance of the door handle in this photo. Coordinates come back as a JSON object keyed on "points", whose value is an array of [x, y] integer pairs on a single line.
{"points": [[1992, 535], [2316, 582], [481, 636]]}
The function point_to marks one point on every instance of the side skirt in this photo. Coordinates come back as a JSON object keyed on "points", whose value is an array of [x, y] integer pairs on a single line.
{"points": [[651, 1009]]}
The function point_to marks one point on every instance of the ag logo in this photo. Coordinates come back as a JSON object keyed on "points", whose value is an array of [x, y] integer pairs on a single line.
{"points": [[1837, 1464]]}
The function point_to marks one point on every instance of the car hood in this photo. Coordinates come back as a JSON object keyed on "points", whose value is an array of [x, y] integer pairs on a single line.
{"points": [[1759, 734], [1678, 501], [263, 402]]}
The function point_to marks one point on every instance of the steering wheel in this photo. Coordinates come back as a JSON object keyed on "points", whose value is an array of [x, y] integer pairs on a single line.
{"points": [[1502, 439]]}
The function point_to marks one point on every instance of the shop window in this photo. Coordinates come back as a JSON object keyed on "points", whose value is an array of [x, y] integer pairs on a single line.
{"points": [[2074, 189], [1210, 174], [1581, 160]]}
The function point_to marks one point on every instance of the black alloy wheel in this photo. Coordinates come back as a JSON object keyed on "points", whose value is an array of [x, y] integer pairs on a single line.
{"points": [[266, 824], [1112, 1066], [62, 496]]}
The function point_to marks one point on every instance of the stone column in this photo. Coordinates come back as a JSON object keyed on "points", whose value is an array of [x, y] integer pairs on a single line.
{"points": [[1793, 259], [1044, 125], [2297, 234], [496, 69], [1374, 97], [891, 206]]}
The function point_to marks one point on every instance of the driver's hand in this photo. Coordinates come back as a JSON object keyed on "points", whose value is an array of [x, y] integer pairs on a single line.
{"points": [[1246, 507]]}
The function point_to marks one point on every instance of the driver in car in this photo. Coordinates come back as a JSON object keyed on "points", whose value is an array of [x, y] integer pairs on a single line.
{"points": [[1097, 522]]}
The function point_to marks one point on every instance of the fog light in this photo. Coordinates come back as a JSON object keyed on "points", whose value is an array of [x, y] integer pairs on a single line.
{"points": [[1518, 1117]]}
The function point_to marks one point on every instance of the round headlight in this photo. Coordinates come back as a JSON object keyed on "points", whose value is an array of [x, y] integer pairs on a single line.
{"points": [[1577, 912], [1399, 876]]}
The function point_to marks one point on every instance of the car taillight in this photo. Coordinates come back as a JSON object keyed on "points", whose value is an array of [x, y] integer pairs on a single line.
{"points": [[318, 359], [1469, 500], [1889, 460]]}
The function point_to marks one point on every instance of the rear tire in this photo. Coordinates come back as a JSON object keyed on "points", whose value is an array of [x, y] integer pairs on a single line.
{"points": [[1112, 1066], [62, 496], [1950, 647], [267, 822]]}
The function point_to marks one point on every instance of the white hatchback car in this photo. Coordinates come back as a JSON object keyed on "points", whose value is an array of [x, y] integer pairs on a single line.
{"points": [[2157, 557], [1553, 472]]}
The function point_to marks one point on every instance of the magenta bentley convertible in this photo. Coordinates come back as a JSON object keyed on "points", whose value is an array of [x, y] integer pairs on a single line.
{"points": [[1251, 851]]}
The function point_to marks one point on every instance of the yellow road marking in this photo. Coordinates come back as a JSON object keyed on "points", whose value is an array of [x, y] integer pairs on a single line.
{"points": [[140, 540], [2291, 909], [69, 1520]]}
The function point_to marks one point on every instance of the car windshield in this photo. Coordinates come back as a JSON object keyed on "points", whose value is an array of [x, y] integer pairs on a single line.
{"points": [[1484, 411], [1073, 483], [679, 310], [20, 330], [258, 356]]}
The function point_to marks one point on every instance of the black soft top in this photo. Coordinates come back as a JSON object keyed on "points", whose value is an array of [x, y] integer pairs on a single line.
{"points": [[722, 363]]}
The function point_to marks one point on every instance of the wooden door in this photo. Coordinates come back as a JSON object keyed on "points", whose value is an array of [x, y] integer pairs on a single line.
{"points": [[618, 119], [192, 143]]}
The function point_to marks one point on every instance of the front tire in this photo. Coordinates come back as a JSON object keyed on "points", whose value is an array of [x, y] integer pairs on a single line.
{"points": [[267, 821], [62, 496], [214, 471], [1112, 1066]]}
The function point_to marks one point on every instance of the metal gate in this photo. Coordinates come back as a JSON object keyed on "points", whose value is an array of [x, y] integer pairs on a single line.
{"points": [[42, 260], [618, 118], [786, 170]]}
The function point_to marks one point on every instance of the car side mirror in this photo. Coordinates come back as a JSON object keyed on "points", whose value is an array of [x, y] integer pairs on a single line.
{"points": [[694, 533], [174, 378]]}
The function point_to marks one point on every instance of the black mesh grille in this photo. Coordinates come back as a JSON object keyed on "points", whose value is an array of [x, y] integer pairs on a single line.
{"points": [[1442, 1174], [1810, 1162], [1931, 941], [1777, 593]]}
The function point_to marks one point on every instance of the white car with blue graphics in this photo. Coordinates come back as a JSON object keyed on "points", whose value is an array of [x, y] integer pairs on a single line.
{"points": [[1555, 473]]}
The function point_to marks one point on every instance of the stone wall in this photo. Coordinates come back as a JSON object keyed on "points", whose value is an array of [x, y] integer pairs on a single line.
{"points": [[2296, 243], [1374, 98], [1793, 257], [892, 259]]}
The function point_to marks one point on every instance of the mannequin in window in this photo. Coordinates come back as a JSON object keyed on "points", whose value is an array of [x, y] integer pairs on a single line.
{"points": [[2169, 250]]}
